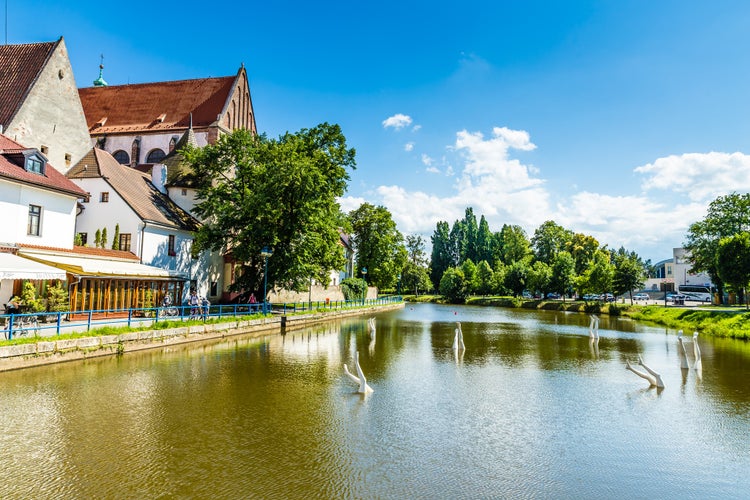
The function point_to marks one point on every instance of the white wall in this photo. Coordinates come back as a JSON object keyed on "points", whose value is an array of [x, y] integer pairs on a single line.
{"points": [[98, 215], [57, 221], [148, 142]]}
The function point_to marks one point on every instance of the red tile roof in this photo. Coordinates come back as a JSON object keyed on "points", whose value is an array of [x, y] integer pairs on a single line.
{"points": [[135, 188], [87, 251], [19, 67], [148, 107], [51, 180]]}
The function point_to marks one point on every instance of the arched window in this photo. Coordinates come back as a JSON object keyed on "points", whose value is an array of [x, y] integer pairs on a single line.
{"points": [[172, 143], [155, 156], [121, 157]]}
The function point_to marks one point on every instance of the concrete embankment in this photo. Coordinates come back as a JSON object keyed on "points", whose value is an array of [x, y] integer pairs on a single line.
{"points": [[48, 350]]}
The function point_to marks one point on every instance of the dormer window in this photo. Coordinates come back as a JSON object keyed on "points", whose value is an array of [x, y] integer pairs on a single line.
{"points": [[35, 163]]}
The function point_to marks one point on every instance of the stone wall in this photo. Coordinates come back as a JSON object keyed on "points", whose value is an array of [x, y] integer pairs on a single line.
{"points": [[317, 293]]}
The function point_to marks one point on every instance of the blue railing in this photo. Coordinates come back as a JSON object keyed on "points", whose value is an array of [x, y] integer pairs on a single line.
{"points": [[48, 324]]}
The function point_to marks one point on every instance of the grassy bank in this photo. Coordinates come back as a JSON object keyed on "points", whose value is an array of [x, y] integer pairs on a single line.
{"points": [[719, 322]]}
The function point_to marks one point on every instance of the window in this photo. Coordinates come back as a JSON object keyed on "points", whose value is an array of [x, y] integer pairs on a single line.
{"points": [[183, 192], [135, 149], [155, 156], [84, 237], [35, 164], [170, 248], [44, 150], [172, 143], [104, 197], [125, 242], [214, 289], [35, 218], [122, 157], [68, 159]]}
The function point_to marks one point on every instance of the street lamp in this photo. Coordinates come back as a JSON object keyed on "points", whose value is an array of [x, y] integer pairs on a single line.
{"points": [[364, 292], [266, 252], [398, 292]]}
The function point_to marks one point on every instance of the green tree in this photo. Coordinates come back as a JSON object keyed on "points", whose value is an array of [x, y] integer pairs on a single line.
{"points": [[599, 276], [378, 243], [549, 239], [563, 273], [255, 192], [57, 298], [540, 277], [733, 261], [485, 278], [516, 276], [727, 215], [116, 238], [470, 276], [512, 244], [453, 286], [103, 241], [628, 274], [442, 258], [485, 241], [582, 247], [98, 238], [415, 274]]}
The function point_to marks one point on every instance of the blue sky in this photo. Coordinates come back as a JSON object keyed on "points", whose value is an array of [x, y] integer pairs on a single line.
{"points": [[619, 119]]}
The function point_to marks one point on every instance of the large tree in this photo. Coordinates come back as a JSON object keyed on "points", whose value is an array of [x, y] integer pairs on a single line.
{"points": [[512, 244], [256, 192], [629, 273], [415, 274], [442, 255], [733, 261], [549, 239], [379, 245], [727, 215]]}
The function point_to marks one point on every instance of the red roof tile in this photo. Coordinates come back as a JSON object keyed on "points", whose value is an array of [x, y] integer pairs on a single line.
{"points": [[19, 67], [52, 179], [156, 106], [88, 251]]}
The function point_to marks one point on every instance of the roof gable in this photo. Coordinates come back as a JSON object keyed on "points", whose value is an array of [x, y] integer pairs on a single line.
{"points": [[20, 65], [51, 179], [135, 188], [156, 106]]}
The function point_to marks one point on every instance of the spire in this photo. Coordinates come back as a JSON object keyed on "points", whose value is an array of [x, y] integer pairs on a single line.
{"points": [[99, 82]]}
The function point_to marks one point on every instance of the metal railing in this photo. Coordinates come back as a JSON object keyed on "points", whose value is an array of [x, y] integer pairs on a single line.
{"points": [[48, 324]]}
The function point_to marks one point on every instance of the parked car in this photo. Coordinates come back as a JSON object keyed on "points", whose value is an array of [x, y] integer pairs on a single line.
{"points": [[607, 297], [553, 295], [677, 297], [641, 296]]}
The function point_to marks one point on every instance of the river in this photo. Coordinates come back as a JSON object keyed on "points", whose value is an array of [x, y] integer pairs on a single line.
{"points": [[533, 408]]}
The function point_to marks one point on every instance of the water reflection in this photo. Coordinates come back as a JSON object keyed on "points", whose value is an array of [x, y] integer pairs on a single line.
{"points": [[533, 407]]}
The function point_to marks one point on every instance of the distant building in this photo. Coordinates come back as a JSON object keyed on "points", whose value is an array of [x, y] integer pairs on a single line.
{"points": [[671, 273], [142, 123], [39, 103]]}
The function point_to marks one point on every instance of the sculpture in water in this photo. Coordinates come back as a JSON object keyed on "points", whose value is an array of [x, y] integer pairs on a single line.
{"points": [[653, 377], [698, 364], [458, 339], [682, 352], [371, 324], [594, 327], [358, 379]]}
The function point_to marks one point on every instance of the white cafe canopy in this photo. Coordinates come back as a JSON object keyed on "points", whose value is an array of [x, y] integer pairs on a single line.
{"points": [[91, 266], [13, 267]]}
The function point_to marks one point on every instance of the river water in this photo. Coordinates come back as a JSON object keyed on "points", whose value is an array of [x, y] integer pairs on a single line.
{"points": [[533, 409]]}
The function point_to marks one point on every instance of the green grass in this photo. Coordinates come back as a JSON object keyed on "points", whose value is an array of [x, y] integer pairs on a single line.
{"points": [[734, 323]]}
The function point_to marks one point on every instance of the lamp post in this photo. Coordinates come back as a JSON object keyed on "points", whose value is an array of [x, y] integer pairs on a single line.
{"points": [[364, 292], [398, 292], [266, 252]]}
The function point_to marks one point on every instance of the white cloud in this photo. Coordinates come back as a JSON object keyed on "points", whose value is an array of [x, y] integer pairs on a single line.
{"points": [[675, 193], [416, 128], [409, 146], [700, 176], [397, 121], [349, 203]]}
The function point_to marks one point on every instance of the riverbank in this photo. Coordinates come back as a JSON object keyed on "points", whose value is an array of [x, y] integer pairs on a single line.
{"points": [[108, 341], [732, 322]]}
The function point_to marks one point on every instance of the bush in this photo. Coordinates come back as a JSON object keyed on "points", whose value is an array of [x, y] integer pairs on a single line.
{"points": [[28, 300], [353, 288], [57, 298]]}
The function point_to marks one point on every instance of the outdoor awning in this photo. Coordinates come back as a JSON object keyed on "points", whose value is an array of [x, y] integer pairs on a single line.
{"points": [[13, 267], [86, 266]]}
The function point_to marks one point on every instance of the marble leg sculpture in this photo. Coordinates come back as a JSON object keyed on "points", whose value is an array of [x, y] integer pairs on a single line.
{"points": [[698, 364], [360, 380], [371, 324], [458, 340], [594, 327], [650, 375], [682, 352]]}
